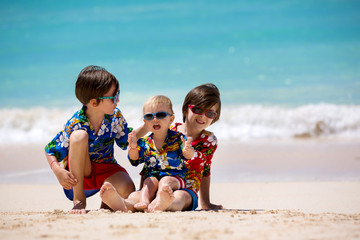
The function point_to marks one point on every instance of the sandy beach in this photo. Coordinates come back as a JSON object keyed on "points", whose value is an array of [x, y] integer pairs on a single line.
{"points": [[293, 210], [299, 190]]}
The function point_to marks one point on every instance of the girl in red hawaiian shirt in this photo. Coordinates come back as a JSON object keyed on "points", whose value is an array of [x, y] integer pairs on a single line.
{"points": [[201, 108]]}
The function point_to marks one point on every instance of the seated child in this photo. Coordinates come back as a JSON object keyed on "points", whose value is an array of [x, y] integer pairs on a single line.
{"points": [[163, 152], [201, 108], [82, 154]]}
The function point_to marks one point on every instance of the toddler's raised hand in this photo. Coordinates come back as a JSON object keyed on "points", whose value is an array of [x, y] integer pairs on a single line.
{"points": [[133, 151], [188, 150], [132, 139]]}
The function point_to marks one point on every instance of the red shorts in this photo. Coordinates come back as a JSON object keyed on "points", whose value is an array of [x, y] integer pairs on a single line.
{"points": [[99, 173]]}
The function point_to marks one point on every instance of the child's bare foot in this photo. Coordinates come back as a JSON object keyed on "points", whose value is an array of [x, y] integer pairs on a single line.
{"points": [[111, 198], [163, 200], [79, 207], [141, 206]]}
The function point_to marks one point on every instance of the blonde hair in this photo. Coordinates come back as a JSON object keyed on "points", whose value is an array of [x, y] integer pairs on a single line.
{"points": [[156, 100]]}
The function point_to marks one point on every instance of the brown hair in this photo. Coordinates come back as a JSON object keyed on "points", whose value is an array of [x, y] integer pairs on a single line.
{"points": [[155, 100], [94, 82], [205, 96]]}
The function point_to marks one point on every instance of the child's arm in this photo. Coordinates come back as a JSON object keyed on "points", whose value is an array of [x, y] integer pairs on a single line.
{"points": [[65, 178], [133, 150], [188, 150], [141, 131], [205, 195]]}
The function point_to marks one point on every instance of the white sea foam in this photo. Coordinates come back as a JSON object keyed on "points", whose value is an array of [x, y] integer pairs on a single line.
{"points": [[241, 122]]}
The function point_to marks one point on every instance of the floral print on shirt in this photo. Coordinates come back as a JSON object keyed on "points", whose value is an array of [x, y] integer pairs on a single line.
{"points": [[114, 128], [200, 165], [168, 161]]}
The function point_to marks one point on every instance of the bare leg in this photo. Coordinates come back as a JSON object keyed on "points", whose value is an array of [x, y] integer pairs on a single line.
{"points": [[114, 191], [147, 193], [164, 196], [182, 201], [80, 166], [133, 198], [122, 183], [111, 198]]}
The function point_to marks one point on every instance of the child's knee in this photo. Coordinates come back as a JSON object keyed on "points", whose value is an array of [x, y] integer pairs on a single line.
{"points": [[126, 189], [168, 180], [79, 136]]}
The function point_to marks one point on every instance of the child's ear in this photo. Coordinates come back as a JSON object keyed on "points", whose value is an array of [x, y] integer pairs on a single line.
{"points": [[172, 118], [93, 102]]}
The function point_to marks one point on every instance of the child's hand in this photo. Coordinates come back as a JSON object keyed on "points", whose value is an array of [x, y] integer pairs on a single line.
{"points": [[188, 150], [132, 139], [133, 151], [66, 179]]}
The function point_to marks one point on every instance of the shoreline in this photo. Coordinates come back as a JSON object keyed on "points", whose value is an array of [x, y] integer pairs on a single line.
{"points": [[255, 161]]}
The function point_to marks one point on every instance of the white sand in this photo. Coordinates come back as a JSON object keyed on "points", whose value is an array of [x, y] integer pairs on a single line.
{"points": [[302, 190], [311, 210]]}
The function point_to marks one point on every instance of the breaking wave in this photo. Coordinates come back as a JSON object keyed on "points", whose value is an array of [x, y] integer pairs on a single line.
{"points": [[237, 122]]}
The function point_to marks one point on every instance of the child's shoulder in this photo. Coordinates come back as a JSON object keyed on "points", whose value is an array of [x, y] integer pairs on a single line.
{"points": [[78, 116], [175, 126], [207, 133], [174, 132], [207, 136], [116, 115]]}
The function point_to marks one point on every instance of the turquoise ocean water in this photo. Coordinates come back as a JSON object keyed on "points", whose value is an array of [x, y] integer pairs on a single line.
{"points": [[285, 69]]}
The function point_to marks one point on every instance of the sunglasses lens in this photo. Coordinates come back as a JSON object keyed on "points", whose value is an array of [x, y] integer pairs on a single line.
{"points": [[148, 117], [197, 110], [161, 115], [211, 114], [116, 97]]}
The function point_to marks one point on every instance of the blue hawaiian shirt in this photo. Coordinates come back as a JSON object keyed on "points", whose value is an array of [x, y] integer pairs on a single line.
{"points": [[168, 161], [101, 145]]}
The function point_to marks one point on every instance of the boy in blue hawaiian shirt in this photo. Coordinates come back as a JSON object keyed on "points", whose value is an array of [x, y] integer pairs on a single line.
{"points": [[82, 154]]}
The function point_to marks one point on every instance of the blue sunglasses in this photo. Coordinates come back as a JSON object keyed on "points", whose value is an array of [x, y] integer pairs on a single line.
{"points": [[158, 115]]}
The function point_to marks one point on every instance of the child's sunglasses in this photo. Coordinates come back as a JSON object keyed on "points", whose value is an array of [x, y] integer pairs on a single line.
{"points": [[158, 115], [116, 97], [198, 110]]}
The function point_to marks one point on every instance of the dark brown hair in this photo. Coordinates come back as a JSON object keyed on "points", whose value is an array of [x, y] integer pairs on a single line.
{"points": [[94, 82], [205, 96]]}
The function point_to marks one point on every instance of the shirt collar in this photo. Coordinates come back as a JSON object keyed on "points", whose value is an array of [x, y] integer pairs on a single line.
{"points": [[82, 115]]}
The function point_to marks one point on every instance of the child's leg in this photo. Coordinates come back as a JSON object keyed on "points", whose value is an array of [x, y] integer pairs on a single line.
{"points": [[115, 202], [165, 195], [147, 193], [133, 198], [111, 198], [122, 183], [173, 182], [80, 166], [182, 201]]}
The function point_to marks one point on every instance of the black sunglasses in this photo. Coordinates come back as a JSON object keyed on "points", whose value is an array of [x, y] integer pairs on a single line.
{"points": [[158, 115], [198, 110]]}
